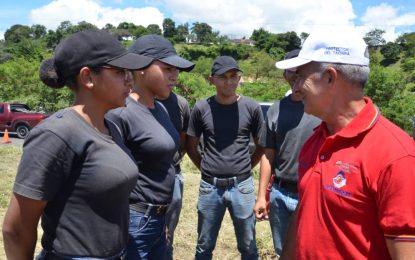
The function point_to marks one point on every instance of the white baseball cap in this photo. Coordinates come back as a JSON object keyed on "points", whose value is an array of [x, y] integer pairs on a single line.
{"points": [[334, 46]]}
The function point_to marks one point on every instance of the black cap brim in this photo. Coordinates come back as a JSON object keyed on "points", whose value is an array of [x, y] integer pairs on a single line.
{"points": [[226, 69], [131, 61], [178, 62]]}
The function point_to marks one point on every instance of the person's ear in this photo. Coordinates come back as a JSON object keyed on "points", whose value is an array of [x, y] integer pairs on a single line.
{"points": [[85, 78], [331, 75], [210, 79]]}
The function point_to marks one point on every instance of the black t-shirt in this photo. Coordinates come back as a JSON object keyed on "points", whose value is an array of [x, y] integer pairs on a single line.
{"points": [[86, 179], [179, 112], [226, 133], [153, 142], [286, 129]]}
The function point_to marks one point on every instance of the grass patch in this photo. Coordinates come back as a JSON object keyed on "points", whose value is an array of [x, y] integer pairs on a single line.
{"points": [[186, 232], [9, 160]]}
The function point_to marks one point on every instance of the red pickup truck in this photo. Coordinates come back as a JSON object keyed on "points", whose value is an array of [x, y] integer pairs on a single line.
{"points": [[18, 118]]}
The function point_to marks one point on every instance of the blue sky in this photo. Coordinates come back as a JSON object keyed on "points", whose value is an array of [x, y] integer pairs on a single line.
{"points": [[235, 18]]}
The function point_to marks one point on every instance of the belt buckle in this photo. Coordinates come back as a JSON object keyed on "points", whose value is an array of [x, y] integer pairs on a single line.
{"points": [[223, 182], [227, 182], [159, 210]]}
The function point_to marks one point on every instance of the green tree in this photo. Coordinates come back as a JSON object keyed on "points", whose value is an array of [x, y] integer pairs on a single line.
{"points": [[375, 57], [17, 33], [194, 52], [28, 49], [169, 28], [37, 31], [128, 29], [120, 34], [374, 38], [391, 51], [83, 26], [259, 66], [125, 25], [65, 28], [140, 31], [203, 32], [408, 64], [19, 82], [108, 27], [154, 29], [384, 84], [407, 42], [401, 110], [290, 41], [304, 36], [260, 37], [277, 53], [267, 41], [182, 31], [52, 38]]}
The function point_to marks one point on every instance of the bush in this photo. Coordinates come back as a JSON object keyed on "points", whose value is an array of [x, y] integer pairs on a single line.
{"points": [[401, 110], [20, 83], [264, 91], [193, 87], [384, 84]]}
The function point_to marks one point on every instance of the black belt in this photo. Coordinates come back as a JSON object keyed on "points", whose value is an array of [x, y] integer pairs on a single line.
{"points": [[289, 186], [225, 182], [48, 255], [149, 209]]}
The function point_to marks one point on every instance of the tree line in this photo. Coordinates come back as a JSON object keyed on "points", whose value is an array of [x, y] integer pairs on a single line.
{"points": [[391, 83]]}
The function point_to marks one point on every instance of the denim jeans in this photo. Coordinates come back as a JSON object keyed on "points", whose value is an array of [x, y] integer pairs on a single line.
{"points": [[147, 237], [282, 205], [173, 213], [213, 201]]}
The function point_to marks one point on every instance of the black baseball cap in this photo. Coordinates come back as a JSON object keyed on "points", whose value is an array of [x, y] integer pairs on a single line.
{"points": [[223, 64], [91, 48], [292, 54], [94, 48], [159, 48]]}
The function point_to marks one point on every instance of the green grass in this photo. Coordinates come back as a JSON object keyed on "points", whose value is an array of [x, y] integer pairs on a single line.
{"points": [[186, 232]]}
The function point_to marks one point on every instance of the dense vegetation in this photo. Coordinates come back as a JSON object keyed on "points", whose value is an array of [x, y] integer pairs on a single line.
{"points": [[391, 84]]}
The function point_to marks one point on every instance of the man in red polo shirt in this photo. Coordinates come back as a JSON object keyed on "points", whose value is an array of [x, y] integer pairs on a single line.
{"points": [[357, 171]]}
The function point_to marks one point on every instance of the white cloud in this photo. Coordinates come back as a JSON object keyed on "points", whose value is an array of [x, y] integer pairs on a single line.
{"points": [[52, 14], [386, 17], [241, 17], [235, 18]]}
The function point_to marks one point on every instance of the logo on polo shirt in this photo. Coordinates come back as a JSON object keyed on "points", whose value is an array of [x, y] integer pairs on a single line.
{"points": [[347, 167], [339, 180]]}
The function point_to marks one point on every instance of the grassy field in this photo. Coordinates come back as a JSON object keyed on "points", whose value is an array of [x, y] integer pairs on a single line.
{"points": [[186, 232]]}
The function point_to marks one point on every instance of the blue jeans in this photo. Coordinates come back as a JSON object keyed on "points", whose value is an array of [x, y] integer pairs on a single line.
{"points": [[213, 201], [282, 205], [173, 213], [147, 237]]}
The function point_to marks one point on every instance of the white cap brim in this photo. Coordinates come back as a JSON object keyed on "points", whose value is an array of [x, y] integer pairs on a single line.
{"points": [[291, 63]]}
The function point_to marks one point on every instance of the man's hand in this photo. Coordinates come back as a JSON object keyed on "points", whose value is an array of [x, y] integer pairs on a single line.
{"points": [[260, 209]]}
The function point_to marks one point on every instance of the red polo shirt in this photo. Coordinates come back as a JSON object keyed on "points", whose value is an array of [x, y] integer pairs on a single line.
{"points": [[356, 189]]}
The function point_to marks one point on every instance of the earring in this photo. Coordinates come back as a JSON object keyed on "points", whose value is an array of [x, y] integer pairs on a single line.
{"points": [[142, 72]]}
